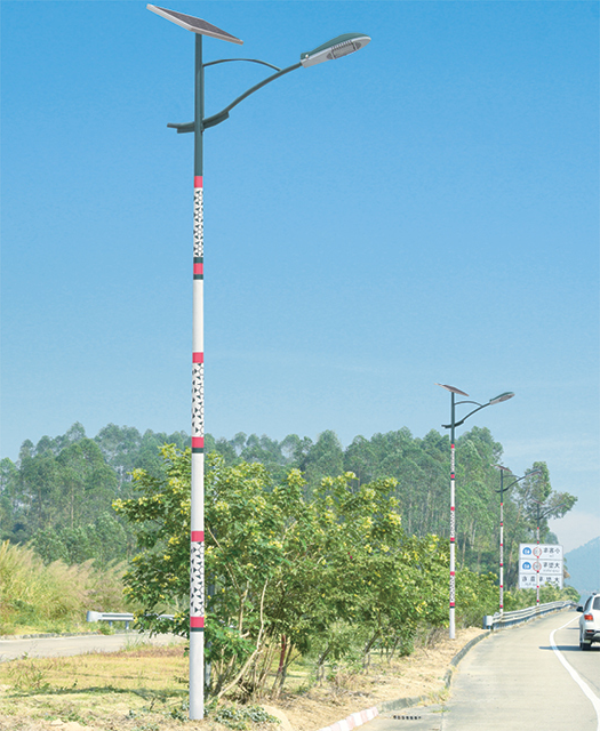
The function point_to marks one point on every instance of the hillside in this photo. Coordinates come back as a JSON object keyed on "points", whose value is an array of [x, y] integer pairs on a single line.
{"points": [[583, 564]]}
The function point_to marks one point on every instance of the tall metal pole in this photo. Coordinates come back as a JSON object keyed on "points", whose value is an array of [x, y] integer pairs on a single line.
{"points": [[342, 45], [196, 698], [537, 559], [452, 519], [501, 542]]}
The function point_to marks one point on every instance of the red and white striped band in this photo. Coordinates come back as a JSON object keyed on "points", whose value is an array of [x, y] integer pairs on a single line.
{"points": [[353, 721], [197, 624]]}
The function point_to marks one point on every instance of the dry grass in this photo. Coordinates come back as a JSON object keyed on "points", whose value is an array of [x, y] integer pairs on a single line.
{"points": [[144, 689], [54, 597], [421, 674], [133, 690]]}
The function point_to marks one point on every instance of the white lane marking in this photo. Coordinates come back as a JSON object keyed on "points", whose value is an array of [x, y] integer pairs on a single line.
{"points": [[588, 692]]}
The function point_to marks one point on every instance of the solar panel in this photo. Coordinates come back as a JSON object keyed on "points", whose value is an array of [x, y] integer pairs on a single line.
{"points": [[452, 389], [196, 25]]}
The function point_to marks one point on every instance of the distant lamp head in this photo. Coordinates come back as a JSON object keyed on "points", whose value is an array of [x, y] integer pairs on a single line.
{"points": [[502, 397]]}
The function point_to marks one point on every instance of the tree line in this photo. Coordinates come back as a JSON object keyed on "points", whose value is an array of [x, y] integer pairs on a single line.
{"points": [[421, 469], [58, 495]]}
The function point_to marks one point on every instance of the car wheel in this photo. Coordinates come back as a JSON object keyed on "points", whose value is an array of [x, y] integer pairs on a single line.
{"points": [[585, 645]]}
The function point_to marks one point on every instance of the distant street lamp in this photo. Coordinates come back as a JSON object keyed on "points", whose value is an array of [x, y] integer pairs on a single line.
{"points": [[338, 47], [502, 490], [452, 426]]}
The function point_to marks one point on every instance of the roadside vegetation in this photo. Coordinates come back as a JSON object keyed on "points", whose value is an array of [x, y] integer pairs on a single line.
{"points": [[37, 597], [324, 566], [328, 575], [144, 688]]}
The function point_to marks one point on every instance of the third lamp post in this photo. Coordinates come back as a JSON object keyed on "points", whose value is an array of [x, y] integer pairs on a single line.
{"points": [[502, 490]]}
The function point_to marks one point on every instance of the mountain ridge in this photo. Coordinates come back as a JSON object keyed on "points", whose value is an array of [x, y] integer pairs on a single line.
{"points": [[583, 565]]}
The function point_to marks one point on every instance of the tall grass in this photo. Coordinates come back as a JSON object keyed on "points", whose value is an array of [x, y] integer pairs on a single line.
{"points": [[35, 596]]}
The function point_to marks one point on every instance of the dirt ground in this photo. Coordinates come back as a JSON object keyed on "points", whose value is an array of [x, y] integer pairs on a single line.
{"points": [[79, 706], [419, 675]]}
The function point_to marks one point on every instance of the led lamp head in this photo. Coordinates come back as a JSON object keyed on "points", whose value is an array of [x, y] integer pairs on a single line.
{"points": [[503, 397], [343, 45]]}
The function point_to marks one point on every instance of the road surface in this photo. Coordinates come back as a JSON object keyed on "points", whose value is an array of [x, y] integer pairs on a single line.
{"points": [[78, 645], [514, 680]]}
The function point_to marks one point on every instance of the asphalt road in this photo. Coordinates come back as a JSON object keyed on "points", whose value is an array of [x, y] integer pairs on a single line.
{"points": [[515, 681], [78, 645]]}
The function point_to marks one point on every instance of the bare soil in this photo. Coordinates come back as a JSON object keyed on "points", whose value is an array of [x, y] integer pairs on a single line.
{"points": [[144, 690]]}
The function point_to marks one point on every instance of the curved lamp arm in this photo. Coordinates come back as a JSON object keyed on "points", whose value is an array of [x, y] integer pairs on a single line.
{"points": [[534, 472], [498, 399], [543, 514], [462, 421], [336, 48], [221, 116], [248, 60], [224, 113]]}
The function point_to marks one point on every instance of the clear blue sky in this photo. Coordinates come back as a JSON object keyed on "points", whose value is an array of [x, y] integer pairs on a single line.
{"points": [[424, 210]]}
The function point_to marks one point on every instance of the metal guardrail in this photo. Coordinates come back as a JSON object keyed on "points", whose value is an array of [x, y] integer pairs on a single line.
{"points": [[519, 616], [493, 622], [111, 617]]}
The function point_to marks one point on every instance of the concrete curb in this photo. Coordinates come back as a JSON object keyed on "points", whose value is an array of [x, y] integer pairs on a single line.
{"points": [[400, 703], [13, 638], [418, 700], [459, 656], [358, 719], [354, 720]]}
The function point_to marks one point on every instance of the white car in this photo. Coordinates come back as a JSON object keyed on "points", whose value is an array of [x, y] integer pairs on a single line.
{"points": [[589, 622]]}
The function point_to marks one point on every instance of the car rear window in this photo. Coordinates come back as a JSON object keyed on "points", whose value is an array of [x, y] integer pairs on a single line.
{"points": [[597, 602]]}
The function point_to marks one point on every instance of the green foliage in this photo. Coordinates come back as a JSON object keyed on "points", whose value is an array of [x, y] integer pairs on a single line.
{"points": [[477, 595], [239, 718], [331, 576], [421, 469], [161, 516], [59, 494], [570, 592], [523, 598]]}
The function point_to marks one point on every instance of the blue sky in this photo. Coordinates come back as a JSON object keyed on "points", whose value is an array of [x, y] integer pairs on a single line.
{"points": [[423, 211]]}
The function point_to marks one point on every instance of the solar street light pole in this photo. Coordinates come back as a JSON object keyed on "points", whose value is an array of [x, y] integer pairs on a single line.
{"points": [[336, 48], [502, 490], [452, 426], [196, 661]]}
